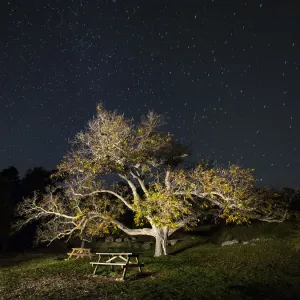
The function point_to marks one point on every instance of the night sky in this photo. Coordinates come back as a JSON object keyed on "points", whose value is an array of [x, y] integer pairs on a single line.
{"points": [[225, 75]]}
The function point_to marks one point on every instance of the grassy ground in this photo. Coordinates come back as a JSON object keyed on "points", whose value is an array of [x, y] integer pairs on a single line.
{"points": [[193, 270]]}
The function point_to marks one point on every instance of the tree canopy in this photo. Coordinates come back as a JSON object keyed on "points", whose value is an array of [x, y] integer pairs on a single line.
{"points": [[163, 196]]}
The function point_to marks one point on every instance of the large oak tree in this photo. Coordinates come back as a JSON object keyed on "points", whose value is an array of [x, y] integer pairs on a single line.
{"points": [[162, 196]]}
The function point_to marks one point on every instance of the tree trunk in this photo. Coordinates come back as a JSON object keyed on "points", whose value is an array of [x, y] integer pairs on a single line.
{"points": [[82, 243], [161, 238], [160, 235]]}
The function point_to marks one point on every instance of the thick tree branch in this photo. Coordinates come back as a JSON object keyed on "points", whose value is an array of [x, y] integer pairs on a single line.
{"points": [[181, 224], [142, 231]]}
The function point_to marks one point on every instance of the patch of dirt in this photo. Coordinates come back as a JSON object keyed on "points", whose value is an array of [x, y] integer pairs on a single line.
{"points": [[59, 287]]}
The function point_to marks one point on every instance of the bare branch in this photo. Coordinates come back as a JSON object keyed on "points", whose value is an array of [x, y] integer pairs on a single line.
{"points": [[105, 191], [167, 180], [141, 182], [274, 219], [132, 186]]}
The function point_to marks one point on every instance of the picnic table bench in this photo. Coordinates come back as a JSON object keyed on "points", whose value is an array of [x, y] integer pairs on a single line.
{"points": [[80, 252], [124, 260]]}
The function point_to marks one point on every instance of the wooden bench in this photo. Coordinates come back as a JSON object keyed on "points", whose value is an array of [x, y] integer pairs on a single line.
{"points": [[121, 259], [80, 252]]}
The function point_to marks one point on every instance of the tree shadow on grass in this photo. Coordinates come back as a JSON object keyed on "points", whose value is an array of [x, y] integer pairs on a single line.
{"points": [[186, 245], [109, 275], [143, 275]]}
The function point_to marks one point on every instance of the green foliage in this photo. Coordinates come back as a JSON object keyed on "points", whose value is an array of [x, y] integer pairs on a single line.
{"points": [[163, 206], [233, 190]]}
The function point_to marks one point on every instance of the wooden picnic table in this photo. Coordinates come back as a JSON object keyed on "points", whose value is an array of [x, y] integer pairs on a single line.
{"points": [[122, 259], [80, 252]]}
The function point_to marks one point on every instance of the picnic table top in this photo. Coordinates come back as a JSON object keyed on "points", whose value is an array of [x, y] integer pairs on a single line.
{"points": [[81, 249], [119, 253]]}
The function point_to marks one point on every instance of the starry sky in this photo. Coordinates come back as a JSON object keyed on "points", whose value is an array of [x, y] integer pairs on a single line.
{"points": [[225, 75]]}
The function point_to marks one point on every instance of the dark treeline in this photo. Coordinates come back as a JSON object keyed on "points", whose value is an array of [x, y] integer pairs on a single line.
{"points": [[14, 189]]}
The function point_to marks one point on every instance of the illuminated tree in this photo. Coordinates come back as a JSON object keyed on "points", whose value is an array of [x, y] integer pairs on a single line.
{"points": [[162, 197]]}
